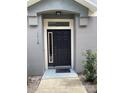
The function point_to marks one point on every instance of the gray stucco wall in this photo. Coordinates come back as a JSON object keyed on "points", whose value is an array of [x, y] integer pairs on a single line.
{"points": [[50, 5], [85, 38], [35, 52]]}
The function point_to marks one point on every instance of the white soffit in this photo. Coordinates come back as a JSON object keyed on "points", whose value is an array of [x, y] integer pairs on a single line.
{"points": [[31, 2], [87, 3]]}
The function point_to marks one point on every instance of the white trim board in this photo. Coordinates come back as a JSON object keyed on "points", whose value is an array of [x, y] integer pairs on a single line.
{"points": [[60, 27]]}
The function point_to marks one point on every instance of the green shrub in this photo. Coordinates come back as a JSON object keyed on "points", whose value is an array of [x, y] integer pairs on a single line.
{"points": [[90, 65]]}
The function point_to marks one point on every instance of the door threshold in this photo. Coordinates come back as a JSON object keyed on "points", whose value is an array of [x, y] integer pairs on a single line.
{"points": [[59, 67], [62, 67]]}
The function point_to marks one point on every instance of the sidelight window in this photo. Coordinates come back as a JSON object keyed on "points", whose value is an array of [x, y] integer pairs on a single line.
{"points": [[50, 46]]}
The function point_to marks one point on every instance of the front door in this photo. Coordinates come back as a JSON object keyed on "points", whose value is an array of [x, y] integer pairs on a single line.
{"points": [[59, 47]]}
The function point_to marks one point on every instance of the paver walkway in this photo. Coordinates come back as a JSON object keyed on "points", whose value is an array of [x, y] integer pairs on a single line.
{"points": [[61, 85]]}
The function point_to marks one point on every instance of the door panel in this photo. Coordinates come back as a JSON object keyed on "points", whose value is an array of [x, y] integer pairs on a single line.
{"points": [[61, 48]]}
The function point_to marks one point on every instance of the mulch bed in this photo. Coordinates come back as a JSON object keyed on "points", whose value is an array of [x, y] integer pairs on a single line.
{"points": [[91, 87], [33, 83]]}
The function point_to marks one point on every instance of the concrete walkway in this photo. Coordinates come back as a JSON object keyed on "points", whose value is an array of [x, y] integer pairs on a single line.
{"points": [[61, 85]]}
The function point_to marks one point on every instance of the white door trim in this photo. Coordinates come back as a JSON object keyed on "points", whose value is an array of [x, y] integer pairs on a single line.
{"points": [[58, 27]]}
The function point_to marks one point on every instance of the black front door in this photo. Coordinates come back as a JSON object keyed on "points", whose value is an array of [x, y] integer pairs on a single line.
{"points": [[59, 47]]}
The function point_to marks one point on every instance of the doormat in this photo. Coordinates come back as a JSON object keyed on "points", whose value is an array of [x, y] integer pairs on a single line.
{"points": [[62, 70]]}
